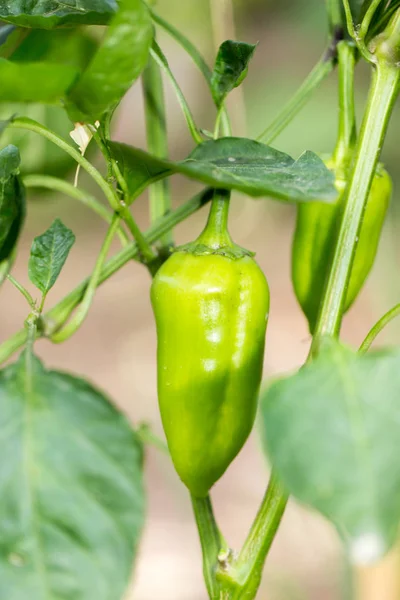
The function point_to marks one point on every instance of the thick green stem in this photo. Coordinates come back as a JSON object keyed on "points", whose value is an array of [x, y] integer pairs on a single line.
{"points": [[157, 142], [241, 578], [210, 540], [346, 138], [60, 313], [383, 93], [215, 234]]}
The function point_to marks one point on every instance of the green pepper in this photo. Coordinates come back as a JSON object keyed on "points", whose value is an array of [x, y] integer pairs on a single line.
{"points": [[211, 302], [314, 239]]}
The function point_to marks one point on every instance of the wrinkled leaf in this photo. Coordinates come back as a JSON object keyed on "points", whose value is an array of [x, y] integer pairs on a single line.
{"points": [[46, 14], [12, 200], [34, 82], [234, 163], [118, 62], [331, 432], [230, 68], [48, 255], [71, 489]]}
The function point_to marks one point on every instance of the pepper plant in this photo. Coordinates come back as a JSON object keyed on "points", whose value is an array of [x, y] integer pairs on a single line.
{"points": [[71, 492]]}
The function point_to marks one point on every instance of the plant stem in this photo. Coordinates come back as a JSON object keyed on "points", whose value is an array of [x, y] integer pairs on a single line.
{"points": [[195, 56], [215, 233], [31, 125], [223, 27], [59, 314], [210, 540], [22, 290], [241, 578], [368, 18], [378, 327], [346, 138], [359, 40], [113, 167], [334, 9], [321, 70], [146, 251], [74, 324], [383, 93], [59, 185], [146, 436], [157, 143], [161, 59]]}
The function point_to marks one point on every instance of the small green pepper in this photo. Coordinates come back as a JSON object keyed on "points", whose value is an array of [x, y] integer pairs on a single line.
{"points": [[211, 303], [314, 239]]}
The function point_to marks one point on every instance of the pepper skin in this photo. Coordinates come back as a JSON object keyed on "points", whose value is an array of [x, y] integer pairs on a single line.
{"points": [[211, 313], [314, 239]]}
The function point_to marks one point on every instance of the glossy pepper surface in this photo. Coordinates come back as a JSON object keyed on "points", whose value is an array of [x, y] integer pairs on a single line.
{"points": [[314, 239], [211, 303]]}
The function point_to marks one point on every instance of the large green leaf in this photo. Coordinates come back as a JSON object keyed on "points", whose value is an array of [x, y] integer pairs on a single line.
{"points": [[12, 200], [46, 14], [234, 163], [48, 255], [332, 431], [118, 62], [34, 82], [230, 68], [71, 489], [74, 47]]}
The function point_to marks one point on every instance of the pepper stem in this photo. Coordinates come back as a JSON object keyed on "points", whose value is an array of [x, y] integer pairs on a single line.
{"points": [[347, 122], [215, 234]]}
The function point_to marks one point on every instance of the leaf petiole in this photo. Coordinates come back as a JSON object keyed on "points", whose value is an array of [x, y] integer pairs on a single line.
{"points": [[23, 291]]}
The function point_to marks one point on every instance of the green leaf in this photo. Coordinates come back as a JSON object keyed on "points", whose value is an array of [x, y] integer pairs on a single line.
{"points": [[230, 68], [34, 82], [118, 62], [12, 200], [48, 255], [331, 432], [71, 488], [234, 163], [47, 14], [73, 47]]}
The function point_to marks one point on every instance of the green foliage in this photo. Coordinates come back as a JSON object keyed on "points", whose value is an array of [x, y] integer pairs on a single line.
{"points": [[12, 200], [47, 14], [71, 490], [330, 431], [234, 163], [44, 66], [230, 68], [118, 62], [34, 82], [48, 255]]}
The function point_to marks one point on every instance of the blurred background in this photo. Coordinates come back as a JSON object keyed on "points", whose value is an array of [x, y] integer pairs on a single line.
{"points": [[116, 346]]}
